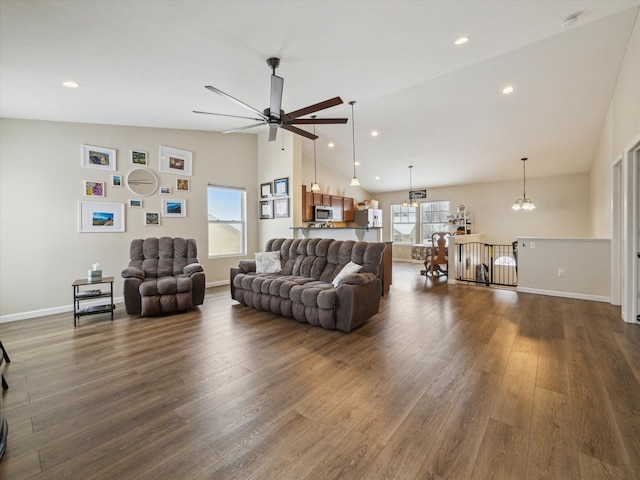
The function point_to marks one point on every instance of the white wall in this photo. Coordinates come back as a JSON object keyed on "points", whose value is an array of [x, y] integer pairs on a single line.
{"points": [[328, 180], [622, 125], [585, 261], [562, 208], [41, 184]]}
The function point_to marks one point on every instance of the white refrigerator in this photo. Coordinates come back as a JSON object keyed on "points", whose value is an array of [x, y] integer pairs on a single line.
{"points": [[370, 217]]}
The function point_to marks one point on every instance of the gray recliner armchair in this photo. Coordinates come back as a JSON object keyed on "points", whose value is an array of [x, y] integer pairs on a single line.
{"points": [[163, 276]]}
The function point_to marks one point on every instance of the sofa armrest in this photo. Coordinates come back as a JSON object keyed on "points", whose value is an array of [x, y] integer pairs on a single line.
{"points": [[192, 268], [247, 266], [133, 272], [358, 278]]}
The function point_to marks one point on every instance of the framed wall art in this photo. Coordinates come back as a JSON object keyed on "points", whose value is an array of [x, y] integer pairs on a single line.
{"points": [[281, 208], [174, 208], [138, 157], [281, 187], [265, 190], [101, 217], [266, 209], [182, 184], [135, 203], [152, 219], [175, 161], [93, 189], [98, 157], [165, 190], [116, 180]]}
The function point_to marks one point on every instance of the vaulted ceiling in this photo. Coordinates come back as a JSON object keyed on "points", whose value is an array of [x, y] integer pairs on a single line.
{"points": [[435, 105]]}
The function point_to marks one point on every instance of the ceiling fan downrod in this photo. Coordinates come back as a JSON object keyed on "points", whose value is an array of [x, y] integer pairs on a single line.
{"points": [[274, 63]]}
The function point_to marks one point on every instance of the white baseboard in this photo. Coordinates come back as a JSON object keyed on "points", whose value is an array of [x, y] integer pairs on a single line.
{"points": [[14, 317], [219, 283], [559, 293]]}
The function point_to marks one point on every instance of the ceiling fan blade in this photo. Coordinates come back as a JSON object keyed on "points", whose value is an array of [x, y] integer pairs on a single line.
{"points": [[244, 128], [314, 108], [236, 101], [273, 131], [225, 115], [277, 83], [299, 131], [318, 121]]}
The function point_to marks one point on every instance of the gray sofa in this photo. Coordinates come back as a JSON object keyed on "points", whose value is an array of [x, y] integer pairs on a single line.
{"points": [[303, 289], [163, 276]]}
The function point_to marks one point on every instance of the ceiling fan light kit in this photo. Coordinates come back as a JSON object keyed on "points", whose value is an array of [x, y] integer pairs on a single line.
{"points": [[274, 117], [523, 203]]}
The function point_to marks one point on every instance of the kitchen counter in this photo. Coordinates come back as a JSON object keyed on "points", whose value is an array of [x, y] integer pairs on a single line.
{"points": [[362, 234]]}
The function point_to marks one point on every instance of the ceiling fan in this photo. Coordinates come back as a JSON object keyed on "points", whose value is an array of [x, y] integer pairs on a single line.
{"points": [[274, 116]]}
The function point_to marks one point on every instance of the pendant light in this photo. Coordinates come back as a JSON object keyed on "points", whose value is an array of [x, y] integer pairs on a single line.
{"points": [[354, 180], [314, 186], [411, 202], [524, 203]]}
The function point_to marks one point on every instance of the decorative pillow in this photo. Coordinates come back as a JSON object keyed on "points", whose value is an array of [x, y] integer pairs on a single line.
{"points": [[268, 262], [349, 269]]}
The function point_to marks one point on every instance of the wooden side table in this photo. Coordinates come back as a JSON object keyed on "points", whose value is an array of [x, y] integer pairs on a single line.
{"points": [[80, 295]]}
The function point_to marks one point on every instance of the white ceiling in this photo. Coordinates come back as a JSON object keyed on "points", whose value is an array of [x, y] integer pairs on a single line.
{"points": [[436, 106]]}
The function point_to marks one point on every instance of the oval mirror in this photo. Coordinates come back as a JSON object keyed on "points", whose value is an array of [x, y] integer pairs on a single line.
{"points": [[142, 182]]}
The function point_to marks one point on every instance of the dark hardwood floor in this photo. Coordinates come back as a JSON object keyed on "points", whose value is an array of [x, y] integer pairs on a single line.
{"points": [[446, 382]]}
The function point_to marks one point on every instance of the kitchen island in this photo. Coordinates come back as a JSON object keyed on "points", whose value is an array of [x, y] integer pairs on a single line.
{"points": [[359, 234]]}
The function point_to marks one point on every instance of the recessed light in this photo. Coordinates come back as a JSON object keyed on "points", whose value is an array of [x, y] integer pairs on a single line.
{"points": [[461, 41], [357, 163], [374, 133], [377, 178], [507, 90], [570, 20], [331, 145], [70, 84]]}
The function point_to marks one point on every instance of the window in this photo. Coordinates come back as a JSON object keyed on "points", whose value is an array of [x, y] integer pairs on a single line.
{"points": [[403, 223], [227, 224], [433, 218]]}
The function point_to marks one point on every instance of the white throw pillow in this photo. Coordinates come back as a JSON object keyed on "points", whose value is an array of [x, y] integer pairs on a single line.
{"points": [[349, 269], [268, 262]]}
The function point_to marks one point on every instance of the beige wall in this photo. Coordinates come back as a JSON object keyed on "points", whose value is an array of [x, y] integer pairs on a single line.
{"points": [[562, 208], [622, 126], [41, 185]]}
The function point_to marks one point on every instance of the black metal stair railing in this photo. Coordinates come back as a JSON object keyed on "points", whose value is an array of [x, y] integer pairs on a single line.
{"points": [[488, 264]]}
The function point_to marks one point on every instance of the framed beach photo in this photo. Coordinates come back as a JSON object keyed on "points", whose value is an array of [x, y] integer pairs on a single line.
{"points": [[135, 203], [281, 208], [152, 219], [182, 184], [98, 157], [101, 217], [93, 189], [174, 208], [175, 161], [138, 157], [165, 190], [281, 187], [265, 190], [116, 180], [266, 209]]}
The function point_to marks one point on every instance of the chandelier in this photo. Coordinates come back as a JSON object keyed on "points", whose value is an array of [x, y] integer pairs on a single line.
{"points": [[524, 203]]}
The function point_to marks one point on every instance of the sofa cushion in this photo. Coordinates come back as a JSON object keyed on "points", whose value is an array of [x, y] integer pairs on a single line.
{"points": [[268, 262], [349, 269]]}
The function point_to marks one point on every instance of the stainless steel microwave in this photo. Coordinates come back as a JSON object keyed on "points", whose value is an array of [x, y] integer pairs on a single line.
{"points": [[322, 213]]}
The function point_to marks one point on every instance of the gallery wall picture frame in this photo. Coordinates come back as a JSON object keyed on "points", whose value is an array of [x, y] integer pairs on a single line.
{"points": [[135, 203], [281, 187], [175, 161], [101, 217], [266, 209], [266, 190], [116, 180], [94, 189], [140, 158], [182, 184], [174, 207], [165, 190], [151, 219], [98, 157], [281, 208]]}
